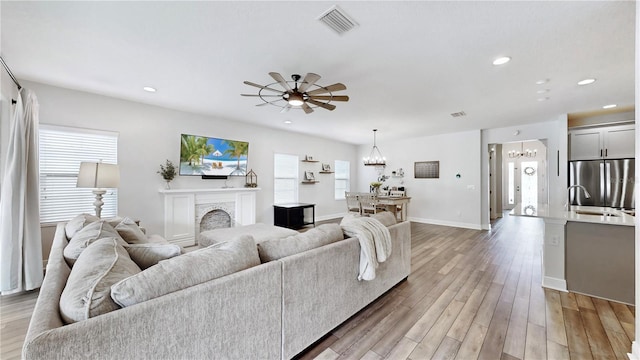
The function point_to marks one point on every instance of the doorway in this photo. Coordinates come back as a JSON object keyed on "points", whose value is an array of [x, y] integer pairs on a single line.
{"points": [[517, 175], [524, 174]]}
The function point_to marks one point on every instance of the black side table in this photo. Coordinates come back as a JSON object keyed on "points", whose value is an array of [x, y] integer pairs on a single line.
{"points": [[292, 215]]}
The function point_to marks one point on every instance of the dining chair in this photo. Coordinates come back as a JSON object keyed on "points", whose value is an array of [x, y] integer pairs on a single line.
{"points": [[369, 204], [353, 205]]}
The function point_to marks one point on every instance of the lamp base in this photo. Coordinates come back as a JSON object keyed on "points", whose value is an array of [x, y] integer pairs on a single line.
{"points": [[98, 203]]}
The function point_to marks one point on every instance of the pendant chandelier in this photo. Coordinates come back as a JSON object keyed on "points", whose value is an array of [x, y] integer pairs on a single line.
{"points": [[514, 154], [375, 158]]}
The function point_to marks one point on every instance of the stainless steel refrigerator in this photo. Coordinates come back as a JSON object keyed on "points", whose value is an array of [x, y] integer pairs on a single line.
{"points": [[610, 183]]}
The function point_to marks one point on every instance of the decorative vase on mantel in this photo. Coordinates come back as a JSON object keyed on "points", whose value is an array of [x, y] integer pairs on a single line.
{"points": [[167, 186]]}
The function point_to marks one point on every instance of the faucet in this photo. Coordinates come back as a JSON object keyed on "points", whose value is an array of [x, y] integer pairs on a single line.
{"points": [[567, 206]]}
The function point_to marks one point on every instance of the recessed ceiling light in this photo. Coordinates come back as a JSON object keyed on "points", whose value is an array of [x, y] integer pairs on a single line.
{"points": [[149, 89], [542, 81], [501, 60], [586, 81], [287, 122], [544, 98], [543, 91], [610, 106]]}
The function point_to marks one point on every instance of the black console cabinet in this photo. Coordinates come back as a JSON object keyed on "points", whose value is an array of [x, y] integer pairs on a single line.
{"points": [[294, 215]]}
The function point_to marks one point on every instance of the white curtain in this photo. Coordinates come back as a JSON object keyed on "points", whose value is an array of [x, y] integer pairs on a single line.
{"points": [[20, 237]]}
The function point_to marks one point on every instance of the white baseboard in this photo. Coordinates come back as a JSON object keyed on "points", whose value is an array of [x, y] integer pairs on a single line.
{"points": [[635, 351], [447, 223], [554, 283]]}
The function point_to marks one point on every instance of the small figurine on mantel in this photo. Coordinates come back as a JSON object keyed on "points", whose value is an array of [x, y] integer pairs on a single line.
{"points": [[251, 179]]}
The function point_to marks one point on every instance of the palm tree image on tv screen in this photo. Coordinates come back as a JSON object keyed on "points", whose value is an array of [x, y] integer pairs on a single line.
{"points": [[200, 155]]}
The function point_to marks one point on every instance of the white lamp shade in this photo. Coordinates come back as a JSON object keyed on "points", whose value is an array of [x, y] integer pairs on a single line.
{"points": [[98, 175]]}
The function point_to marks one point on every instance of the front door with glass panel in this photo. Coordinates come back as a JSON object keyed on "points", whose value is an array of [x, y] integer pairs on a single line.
{"points": [[524, 174]]}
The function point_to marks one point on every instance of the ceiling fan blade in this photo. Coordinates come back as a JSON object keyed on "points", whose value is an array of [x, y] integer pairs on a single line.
{"points": [[326, 89], [277, 77], [308, 80], [264, 87], [263, 95], [307, 109], [285, 109], [329, 97], [321, 104], [270, 102]]}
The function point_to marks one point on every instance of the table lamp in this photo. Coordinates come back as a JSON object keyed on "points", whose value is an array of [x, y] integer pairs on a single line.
{"points": [[98, 175]]}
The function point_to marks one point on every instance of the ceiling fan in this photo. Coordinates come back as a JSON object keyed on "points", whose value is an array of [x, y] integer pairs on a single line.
{"points": [[303, 94]]}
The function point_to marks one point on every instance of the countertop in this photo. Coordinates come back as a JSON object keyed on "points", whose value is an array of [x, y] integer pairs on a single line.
{"points": [[543, 211]]}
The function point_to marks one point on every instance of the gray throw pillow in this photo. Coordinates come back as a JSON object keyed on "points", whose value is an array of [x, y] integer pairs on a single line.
{"points": [[87, 235], [131, 232], [74, 225], [187, 270], [386, 218], [86, 294], [319, 236], [147, 255]]}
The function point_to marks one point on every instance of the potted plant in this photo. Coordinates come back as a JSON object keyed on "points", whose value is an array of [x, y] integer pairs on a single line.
{"points": [[168, 172], [375, 186]]}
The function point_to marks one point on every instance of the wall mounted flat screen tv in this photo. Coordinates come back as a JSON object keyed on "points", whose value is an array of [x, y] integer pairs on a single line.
{"points": [[200, 155]]}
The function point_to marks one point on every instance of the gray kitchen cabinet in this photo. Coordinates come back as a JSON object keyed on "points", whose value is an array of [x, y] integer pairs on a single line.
{"points": [[609, 142], [600, 260]]}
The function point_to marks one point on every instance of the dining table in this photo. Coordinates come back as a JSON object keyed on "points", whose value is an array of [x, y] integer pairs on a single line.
{"points": [[391, 204]]}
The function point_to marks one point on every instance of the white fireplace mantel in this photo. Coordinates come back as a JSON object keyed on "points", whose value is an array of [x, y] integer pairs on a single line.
{"points": [[184, 208]]}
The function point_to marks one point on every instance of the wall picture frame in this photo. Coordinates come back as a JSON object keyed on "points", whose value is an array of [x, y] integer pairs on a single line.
{"points": [[326, 167], [309, 176], [426, 169], [308, 157]]}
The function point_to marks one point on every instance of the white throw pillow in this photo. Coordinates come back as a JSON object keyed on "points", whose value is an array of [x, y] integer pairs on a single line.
{"points": [[147, 255], [187, 270], [87, 235], [131, 232], [74, 225], [88, 288]]}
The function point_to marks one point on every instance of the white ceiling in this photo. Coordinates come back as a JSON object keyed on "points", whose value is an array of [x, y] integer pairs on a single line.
{"points": [[407, 67]]}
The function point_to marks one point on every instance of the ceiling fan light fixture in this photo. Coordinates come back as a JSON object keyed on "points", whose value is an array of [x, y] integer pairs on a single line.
{"points": [[302, 94], [295, 99]]}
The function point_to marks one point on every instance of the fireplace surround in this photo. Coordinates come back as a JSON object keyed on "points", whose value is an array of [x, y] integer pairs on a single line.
{"points": [[187, 212]]}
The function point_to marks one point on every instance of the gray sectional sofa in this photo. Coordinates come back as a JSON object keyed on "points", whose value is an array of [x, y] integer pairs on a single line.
{"points": [[270, 311]]}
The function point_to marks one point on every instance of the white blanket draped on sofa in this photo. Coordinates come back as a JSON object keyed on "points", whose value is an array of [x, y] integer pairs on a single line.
{"points": [[375, 243]]}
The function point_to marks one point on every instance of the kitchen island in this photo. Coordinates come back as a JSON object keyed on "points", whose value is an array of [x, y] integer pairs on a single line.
{"points": [[588, 250]]}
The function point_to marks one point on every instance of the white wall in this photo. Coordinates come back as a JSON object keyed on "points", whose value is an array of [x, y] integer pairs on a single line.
{"points": [[555, 132], [149, 134], [447, 200]]}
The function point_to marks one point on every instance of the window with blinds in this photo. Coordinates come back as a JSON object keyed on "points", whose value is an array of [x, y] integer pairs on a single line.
{"points": [[285, 182], [61, 151], [341, 179]]}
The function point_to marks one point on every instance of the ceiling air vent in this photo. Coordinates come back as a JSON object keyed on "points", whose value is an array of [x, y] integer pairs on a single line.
{"points": [[337, 20], [459, 114]]}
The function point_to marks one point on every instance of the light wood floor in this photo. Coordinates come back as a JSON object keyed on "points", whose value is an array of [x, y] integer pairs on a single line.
{"points": [[477, 295], [471, 295]]}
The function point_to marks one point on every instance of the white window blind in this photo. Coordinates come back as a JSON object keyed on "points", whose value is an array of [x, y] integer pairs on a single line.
{"points": [[61, 151], [285, 173], [342, 178]]}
